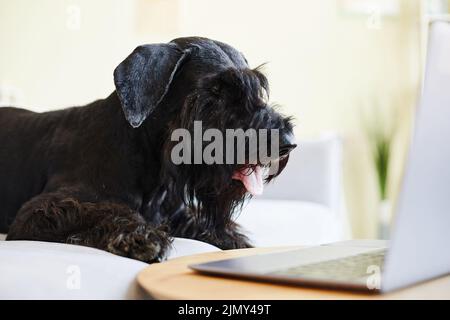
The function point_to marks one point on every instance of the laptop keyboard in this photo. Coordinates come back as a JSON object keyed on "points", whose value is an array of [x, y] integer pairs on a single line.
{"points": [[348, 268]]}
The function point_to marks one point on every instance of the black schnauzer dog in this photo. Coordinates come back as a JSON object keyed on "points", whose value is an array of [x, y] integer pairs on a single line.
{"points": [[101, 175]]}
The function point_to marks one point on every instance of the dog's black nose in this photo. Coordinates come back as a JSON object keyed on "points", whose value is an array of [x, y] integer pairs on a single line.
{"points": [[285, 149], [287, 144]]}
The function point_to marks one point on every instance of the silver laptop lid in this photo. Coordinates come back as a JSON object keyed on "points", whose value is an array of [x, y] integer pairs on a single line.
{"points": [[421, 239]]}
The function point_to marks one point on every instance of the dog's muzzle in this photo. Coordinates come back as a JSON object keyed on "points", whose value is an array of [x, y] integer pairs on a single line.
{"points": [[253, 177]]}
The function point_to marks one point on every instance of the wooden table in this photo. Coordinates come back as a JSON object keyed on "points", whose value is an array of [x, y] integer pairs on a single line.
{"points": [[174, 280]]}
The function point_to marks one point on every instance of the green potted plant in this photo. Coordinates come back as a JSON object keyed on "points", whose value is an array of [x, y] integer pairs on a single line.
{"points": [[380, 131]]}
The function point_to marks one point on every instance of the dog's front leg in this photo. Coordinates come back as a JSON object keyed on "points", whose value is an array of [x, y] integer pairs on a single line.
{"points": [[114, 227]]}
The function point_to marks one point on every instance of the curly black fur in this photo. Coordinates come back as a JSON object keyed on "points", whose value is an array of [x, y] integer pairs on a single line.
{"points": [[101, 175]]}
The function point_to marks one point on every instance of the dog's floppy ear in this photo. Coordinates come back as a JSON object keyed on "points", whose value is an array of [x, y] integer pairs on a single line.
{"points": [[143, 79]]}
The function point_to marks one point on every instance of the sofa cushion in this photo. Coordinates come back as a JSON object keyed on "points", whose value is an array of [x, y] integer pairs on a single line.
{"points": [[289, 222], [45, 270]]}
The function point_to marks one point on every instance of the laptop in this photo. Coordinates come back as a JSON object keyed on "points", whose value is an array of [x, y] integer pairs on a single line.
{"points": [[419, 245]]}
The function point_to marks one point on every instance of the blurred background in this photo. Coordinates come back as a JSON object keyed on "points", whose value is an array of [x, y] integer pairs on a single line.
{"points": [[350, 68]]}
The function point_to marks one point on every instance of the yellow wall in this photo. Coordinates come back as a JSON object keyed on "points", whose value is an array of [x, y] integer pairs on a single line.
{"points": [[323, 64]]}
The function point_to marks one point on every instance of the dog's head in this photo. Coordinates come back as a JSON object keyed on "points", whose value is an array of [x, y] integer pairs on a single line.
{"points": [[206, 96]]}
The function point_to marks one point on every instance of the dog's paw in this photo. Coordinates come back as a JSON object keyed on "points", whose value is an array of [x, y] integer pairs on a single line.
{"points": [[146, 243], [226, 239], [235, 241]]}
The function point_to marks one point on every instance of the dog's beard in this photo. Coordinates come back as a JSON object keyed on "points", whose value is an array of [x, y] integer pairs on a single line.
{"points": [[215, 192]]}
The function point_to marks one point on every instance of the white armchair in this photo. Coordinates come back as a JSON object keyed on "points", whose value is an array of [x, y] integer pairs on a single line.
{"points": [[304, 205]]}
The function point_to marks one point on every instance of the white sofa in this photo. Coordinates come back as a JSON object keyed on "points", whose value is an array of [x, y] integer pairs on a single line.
{"points": [[304, 206]]}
